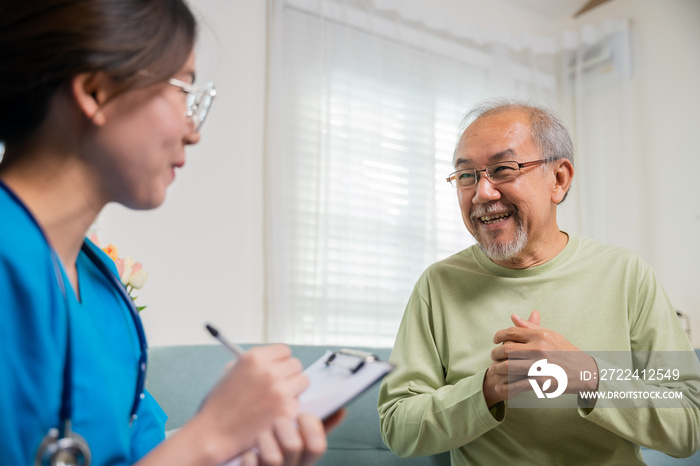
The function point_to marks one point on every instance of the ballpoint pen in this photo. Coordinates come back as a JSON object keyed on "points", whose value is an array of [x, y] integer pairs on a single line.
{"points": [[232, 347]]}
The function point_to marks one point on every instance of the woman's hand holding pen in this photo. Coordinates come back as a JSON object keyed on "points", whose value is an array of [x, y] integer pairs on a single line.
{"points": [[260, 388], [254, 409]]}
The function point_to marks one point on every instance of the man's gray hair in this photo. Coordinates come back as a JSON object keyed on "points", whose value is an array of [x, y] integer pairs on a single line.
{"points": [[548, 131]]}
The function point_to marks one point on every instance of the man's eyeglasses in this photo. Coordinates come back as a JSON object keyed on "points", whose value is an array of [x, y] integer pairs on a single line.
{"points": [[199, 100], [497, 173]]}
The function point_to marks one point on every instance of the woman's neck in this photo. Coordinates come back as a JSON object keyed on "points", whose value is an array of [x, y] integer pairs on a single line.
{"points": [[57, 191]]}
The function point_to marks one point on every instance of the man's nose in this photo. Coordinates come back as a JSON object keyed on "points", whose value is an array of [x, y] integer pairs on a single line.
{"points": [[485, 191]]}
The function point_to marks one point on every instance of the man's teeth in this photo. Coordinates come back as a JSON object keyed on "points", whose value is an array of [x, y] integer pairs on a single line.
{"points": [[494, 218]]}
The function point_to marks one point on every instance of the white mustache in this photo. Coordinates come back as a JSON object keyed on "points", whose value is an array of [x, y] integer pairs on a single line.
{"points": [[481, 210]]}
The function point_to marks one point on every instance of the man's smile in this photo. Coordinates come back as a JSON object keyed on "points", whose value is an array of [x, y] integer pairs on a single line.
{"points": [[493, 218], [491, 214]]}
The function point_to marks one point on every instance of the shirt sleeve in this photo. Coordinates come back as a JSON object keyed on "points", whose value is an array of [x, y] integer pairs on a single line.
{"points": [[658, 339], [419, 414], [148, 429]]}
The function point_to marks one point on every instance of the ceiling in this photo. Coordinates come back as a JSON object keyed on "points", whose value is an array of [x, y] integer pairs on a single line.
{"points": [[554, 10]]}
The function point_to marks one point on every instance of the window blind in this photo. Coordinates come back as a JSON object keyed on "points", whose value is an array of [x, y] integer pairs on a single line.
{"points": [[361, 135]]}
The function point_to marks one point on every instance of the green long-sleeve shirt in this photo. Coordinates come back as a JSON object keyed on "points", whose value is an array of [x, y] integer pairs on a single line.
{"points": [[599, 297]]}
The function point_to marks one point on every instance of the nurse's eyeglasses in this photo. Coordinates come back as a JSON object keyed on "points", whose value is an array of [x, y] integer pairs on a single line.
{"points": [[199, 100]]}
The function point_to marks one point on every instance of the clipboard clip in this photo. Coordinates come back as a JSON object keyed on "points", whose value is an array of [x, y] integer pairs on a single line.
{"points": [[340, 358]]}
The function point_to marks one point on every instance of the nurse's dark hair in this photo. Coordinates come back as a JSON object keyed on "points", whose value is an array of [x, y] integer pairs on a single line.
{"points": [[548, 131], [44, 43]]}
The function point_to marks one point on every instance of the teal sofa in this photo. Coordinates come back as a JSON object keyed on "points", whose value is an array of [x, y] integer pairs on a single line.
{"points": [[179, 377]]}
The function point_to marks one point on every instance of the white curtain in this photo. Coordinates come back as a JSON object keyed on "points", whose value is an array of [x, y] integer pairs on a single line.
{"points": [[610, 176], [365, 100]]}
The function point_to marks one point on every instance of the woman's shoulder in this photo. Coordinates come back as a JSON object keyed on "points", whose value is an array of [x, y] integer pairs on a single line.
{"points": [[21, 240]]}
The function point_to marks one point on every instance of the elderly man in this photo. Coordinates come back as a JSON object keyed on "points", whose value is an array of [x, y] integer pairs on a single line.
{"points": [[465, 324]]}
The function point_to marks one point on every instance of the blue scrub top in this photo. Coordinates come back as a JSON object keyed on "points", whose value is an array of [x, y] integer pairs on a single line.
{"points": [[105, 352]]}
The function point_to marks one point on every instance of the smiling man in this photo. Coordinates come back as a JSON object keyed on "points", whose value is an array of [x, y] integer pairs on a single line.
{"points": [[512, 217], [464, 355]]}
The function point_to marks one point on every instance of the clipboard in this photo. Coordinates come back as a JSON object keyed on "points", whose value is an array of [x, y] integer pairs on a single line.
{"points": [[338, 377]]}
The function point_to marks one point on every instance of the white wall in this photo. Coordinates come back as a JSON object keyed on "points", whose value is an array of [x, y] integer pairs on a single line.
{"points": [[666, 62], [204, 246]]}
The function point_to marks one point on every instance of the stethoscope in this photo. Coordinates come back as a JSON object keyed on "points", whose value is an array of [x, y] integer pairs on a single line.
{"points": [[61, 446]]}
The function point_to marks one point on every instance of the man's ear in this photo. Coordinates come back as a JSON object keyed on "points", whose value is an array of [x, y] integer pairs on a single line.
{"points": [[563, 175], [91, 91]]}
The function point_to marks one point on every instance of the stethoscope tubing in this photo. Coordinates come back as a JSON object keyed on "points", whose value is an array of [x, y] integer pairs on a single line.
{"points": [[90, 251]]}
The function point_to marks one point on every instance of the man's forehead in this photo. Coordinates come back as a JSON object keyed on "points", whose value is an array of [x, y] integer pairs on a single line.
{"points": [[494, 138]]}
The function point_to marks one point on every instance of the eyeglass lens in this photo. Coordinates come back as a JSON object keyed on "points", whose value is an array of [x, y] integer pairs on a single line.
{"points": [[198, 105], [497, 173]]}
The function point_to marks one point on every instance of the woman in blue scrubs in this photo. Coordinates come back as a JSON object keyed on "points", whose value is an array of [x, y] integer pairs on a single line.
{"points": [[97, 105]]}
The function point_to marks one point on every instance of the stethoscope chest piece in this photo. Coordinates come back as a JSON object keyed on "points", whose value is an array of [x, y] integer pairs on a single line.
{"points": [[69, 450]]}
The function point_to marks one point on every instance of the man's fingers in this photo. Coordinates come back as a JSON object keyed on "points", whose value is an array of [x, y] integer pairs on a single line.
{"points": [[511, 386], [512, 368], [513, 389], [534, 317], [515, 342], [519, 322], [515, 334]]}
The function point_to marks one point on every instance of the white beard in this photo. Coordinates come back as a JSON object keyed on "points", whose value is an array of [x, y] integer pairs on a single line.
{"points": [[505, 252]]}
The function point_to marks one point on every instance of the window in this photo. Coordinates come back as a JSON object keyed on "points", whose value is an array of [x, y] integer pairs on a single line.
{"points": [[361, 133]]}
